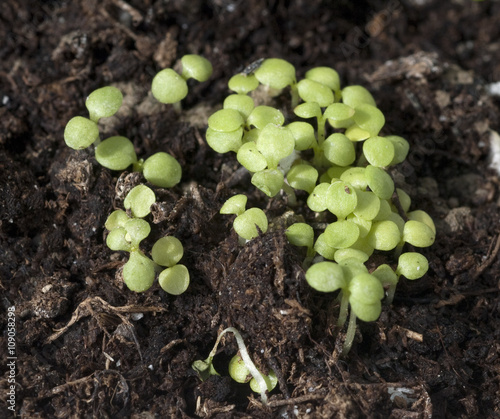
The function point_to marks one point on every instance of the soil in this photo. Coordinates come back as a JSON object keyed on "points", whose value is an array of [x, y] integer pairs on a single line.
{"points": [[86, 346]]}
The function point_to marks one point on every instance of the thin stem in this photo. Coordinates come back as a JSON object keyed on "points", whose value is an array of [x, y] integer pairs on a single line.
{"points": [[351, 332], [344, 306]]}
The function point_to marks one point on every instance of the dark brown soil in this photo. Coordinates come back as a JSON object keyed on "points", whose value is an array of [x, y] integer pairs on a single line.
{"points": [[82, 348]]}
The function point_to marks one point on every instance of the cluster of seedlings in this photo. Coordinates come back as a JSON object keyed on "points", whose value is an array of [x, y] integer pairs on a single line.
{"points": [[330, 148], [128, 228], [326, 154]]}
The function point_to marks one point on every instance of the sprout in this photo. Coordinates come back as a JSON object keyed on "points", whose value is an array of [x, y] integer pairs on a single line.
{"points": [[205, 368], [80, 132], [384, 235], [116, 153], [339, 115], [326, 277], [104, 102], [169, 87], [379, 182], [238, 371], [223, 142], [303, 133], [139, 200], [341, 234], [162, 169], [270, 379]]}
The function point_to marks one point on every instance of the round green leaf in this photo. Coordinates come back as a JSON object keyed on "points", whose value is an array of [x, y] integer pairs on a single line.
{"points": [[242, 103], [238, 371], [300, 234], [312, 91], [379, 151], [366, 288], [356, 177], [269, 181], [339, 150], [242, 83], [234, 205], [326, 277], [384, 235], [167, 251], [302, 176], [80, 132], [418, 234], [357, 95], [137, 230], [116, 153], [246, 224], [139, 200], [317, 198], [251, 158], [196, 67], [162, 169], [401, 148], [271, 381], [412, 265], [169, 87], [366, 312], [303, 133], [174, 280], [104, 102], [342, 234], [223, 142], [116, 240], [308, 110], [138, 272], [322, 247], [116, 219], [379, 182], [276, 73], [422, 216], [368, 205], [341, 199], [275, 143], [225, 120], [350, 253], [263, 115], [369, 118], [324, 75]]}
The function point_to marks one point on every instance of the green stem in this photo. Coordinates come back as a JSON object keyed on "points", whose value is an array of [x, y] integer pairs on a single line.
{"points": [[344, 306], [351, 332]]}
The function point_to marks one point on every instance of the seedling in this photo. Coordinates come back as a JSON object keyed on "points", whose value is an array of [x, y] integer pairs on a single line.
{"points": [[205, 368], [248, 222], [127, 232], [118, 152], [346, 183]]}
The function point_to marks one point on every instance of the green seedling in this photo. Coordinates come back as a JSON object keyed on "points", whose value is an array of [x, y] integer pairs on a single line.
{"points": [[205, 368], [127, 232], [240, 373], [170, 87], [247, 223], [347, 185]]}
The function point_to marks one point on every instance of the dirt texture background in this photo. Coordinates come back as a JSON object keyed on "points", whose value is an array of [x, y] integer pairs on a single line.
{"points": [[88, 347]]}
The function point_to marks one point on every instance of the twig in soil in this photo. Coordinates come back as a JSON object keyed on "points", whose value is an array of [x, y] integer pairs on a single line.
{"points": [[489, 260], [296, 400], [85, 309], [64, 386]]}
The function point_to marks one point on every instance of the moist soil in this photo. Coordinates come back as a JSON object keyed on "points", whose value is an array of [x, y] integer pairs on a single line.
{"points": [[86, 346]]}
